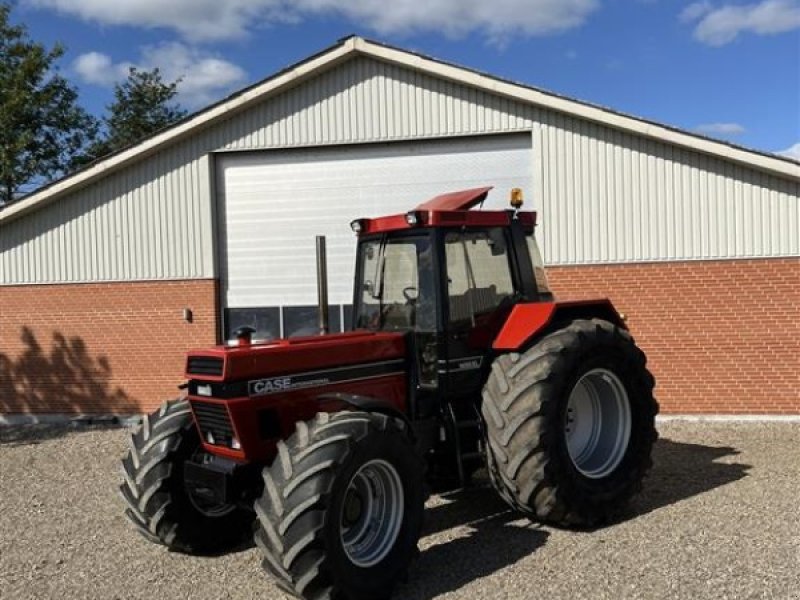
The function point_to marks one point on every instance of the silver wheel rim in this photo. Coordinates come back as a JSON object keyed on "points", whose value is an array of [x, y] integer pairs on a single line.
{"points": [[372, 513], [597, 424]]}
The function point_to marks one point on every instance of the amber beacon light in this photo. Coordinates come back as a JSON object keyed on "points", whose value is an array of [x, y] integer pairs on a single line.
{"points": [[516, 198]]}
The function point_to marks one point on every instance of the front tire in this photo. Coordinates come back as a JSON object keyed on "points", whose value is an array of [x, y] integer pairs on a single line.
{"points": [[570, 424], [341, 511], [158, 504]]}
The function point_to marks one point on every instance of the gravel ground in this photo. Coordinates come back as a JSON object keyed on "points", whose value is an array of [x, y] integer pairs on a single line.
{"points": [[718, 519]]}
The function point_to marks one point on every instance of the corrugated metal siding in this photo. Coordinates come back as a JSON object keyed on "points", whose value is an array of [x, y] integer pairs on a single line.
{"points": [[151, 221], [609, 196], [367, 101], [605, 196]]}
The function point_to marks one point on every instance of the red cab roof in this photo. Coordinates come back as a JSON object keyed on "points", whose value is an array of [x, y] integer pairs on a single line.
{"points": [[447, 210], [463, 200]]}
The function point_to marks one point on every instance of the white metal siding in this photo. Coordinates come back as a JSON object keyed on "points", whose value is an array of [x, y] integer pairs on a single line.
{"points": [[275, 204], [605, 196], [149, 222], [609, 196], [368, 101]]}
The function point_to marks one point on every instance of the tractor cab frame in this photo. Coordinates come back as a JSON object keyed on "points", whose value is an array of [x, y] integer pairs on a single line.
{"points": [[449, 278]]}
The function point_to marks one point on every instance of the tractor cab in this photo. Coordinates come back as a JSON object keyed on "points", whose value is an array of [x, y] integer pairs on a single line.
{"points": [[449, 277]]}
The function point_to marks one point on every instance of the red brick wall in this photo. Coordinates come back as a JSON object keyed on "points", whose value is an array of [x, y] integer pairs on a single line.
{"points": [[99, 348], [721, 336]]}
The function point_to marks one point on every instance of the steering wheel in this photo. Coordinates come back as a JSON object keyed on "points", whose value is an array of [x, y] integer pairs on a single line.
{"points": [[410, 294]]}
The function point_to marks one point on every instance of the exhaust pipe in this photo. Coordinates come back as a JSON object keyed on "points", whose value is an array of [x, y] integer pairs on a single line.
{"points": [[322, 285]]}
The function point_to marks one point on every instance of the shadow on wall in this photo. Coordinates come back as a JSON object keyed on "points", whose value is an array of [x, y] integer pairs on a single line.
{"points": [[62, 379]]}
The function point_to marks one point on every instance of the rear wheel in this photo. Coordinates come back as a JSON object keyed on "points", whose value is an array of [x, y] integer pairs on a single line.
{"points": [[342, 506], [571, 424], [157, 502]]}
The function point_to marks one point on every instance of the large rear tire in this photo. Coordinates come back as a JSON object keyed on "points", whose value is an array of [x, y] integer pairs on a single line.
{"points": [[341, 511], [157, 502], [570, 424]]}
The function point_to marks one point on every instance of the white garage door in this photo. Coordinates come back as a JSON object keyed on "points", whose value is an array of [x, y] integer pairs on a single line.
{"points": [[273, 204]]}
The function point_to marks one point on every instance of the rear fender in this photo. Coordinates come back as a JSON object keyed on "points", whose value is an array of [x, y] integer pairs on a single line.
{"points": [[528, 321]]}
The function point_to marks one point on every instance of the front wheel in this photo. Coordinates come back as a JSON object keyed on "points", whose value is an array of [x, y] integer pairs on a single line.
{"points": [[570, 424], [341, 511], [157, 501]]}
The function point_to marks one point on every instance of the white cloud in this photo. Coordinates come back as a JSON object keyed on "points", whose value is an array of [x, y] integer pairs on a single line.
{"points": [[204, 77], [194, 19], [228, 19], [457, 17], [725, 129], [97, 68], [721, 25], [792, 152], [695, 11]]}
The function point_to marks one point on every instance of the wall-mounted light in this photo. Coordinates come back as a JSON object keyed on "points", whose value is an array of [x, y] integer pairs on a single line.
{"points": [[187, 315]]}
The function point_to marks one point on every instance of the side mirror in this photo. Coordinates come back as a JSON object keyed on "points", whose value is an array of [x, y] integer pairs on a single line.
{"points": [[497, 242]]}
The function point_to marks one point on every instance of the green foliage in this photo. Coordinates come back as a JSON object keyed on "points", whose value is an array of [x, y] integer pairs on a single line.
{"points": [[43, 131], [143, 104]]}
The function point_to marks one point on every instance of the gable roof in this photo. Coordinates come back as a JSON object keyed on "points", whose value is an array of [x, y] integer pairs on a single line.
{"points": [[354, 46]]}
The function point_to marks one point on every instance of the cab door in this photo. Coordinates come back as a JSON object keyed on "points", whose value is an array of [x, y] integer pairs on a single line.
{"points": [[480, 294], [397, 290]]}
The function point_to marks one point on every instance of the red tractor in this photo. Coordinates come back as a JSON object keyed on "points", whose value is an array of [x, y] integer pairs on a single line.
{"points": [[458, 358]]}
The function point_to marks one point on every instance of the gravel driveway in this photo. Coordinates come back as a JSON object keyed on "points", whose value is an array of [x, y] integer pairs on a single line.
{"points": [[718, 519]]}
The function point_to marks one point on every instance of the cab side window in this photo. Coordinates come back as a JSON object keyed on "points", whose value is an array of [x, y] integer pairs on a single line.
{"points": [[478, 273]]}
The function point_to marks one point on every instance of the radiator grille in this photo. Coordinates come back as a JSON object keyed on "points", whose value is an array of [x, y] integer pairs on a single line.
{"points": [[204, 365], [213, 419]]}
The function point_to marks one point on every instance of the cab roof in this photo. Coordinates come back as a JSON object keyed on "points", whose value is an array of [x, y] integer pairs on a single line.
{"points": [[446, 210]]}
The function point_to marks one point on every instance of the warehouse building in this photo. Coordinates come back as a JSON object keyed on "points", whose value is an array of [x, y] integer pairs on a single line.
{"points": [[109, 275]]}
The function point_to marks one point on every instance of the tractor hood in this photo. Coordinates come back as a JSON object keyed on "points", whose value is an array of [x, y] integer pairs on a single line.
{"points": [[246, 398], [284, 357]]}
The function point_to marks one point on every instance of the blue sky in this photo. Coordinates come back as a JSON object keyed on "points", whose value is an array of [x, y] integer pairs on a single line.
{"points": [[724, 68]]}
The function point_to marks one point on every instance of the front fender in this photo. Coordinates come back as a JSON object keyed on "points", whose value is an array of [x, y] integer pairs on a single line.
{"points": [[526, 321], [365, 403]]}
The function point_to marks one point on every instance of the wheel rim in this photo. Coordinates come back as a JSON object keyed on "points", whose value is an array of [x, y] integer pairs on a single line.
{"points": [[597, 424], [372, 513]]}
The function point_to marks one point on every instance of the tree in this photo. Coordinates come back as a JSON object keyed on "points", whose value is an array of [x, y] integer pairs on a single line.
{"points": [[143, 104], [43, 131]]}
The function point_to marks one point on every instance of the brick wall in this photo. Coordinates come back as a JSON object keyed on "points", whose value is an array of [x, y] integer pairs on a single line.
{"points": [[721, 336], [99, 348]]}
